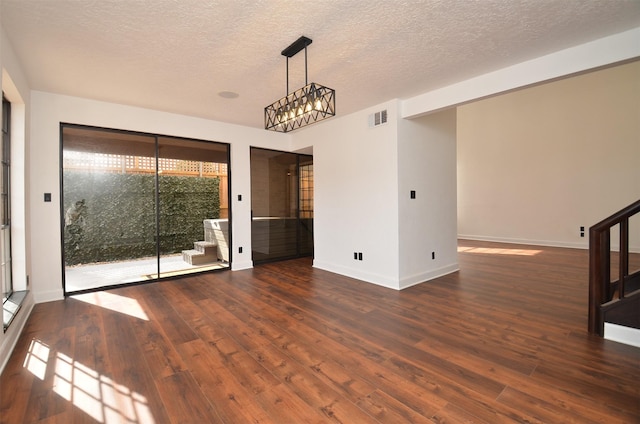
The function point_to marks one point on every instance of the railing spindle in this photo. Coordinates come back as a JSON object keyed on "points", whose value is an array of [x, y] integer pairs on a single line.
{"points": [[596, 288], [624, 256]]}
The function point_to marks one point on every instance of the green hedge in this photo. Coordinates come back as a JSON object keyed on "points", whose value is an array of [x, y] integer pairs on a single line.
{"points": [[111, 217]]}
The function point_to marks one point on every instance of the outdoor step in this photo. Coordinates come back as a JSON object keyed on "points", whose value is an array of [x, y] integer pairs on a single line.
{"points": [[195, 257], [206, 247]]}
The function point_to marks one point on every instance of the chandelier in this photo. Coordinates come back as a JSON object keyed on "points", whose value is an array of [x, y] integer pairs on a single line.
{"points": [[309, 104]]}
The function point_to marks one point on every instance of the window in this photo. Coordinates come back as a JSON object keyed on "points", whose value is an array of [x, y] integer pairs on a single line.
{"points": [[5, 215]]}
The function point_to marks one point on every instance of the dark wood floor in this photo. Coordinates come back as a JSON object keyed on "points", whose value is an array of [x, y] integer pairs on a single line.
{"points": [[503, 340]]}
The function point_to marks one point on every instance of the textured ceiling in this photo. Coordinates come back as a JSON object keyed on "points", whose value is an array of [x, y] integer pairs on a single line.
{"points": [[177, 56]]}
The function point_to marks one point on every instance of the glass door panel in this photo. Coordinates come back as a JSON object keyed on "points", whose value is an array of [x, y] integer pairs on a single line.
{"points": [[278, 230], [193, 221], [305, 224], [108, 201]]}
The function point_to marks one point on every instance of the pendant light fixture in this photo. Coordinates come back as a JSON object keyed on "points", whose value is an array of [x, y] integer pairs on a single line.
{"points": [[309, 104]]}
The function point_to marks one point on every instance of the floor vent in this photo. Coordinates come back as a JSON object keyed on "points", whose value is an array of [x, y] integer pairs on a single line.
{"points": [[378, 118]]}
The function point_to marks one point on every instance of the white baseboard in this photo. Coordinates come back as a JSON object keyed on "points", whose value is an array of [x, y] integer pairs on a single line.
{"points": [[238, 266], [358, 274], [48, 296], [622, 334], [385, 281], [548, 243], [423, 277]]}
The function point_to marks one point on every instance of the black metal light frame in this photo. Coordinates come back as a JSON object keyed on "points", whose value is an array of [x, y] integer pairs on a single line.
{"points": [[309, 104]]}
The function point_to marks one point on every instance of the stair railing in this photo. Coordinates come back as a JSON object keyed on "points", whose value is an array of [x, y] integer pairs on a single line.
{"points": [[601, 289]]}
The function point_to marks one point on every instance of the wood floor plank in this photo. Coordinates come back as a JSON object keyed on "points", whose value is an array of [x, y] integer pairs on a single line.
{"points": [[184, 401], [387, 409], [131, 382], [570, 403], [172, 324], [16, 381], [541, 410], [307, 387], [65, 418], [503, 340], [611, 392], [90, 340], [372, 375], [235, 403], [291, 336], [324, 399], [473, 402], [452, 414], [42, 402], [284, 406], [424, 394], [160, 351]]}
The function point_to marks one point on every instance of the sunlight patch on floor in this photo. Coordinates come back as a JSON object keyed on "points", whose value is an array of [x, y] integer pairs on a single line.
{"points": [[499, 251], [114, 302], [97, 395], [37, 358]]}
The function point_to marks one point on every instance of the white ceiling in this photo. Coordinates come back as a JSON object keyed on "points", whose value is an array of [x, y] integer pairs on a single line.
{"points": [[178, 55]]}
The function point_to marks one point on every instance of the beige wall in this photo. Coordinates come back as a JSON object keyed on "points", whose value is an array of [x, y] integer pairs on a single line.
{"points": [[536, 164]]}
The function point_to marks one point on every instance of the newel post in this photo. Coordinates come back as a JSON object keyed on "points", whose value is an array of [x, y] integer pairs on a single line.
{"points": [[598, 277]]}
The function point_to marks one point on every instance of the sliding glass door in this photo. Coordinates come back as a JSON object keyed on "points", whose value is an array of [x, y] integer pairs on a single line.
{"points": [[191, 216], [281, 204], [135, 206]]}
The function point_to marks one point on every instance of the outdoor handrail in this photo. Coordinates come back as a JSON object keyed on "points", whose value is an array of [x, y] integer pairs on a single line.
{"points": [[600, 285]]}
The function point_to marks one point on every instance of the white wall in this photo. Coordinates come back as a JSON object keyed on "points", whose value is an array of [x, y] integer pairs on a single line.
{"points": [[427, 224], [49, 110], [356, 195], [362, 179], [16, 89], [536, 164]]}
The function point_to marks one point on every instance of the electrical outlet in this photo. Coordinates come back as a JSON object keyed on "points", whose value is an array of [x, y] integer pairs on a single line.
{"points": [[359, 256], [433, 255], [240, 249], [355, 255]]}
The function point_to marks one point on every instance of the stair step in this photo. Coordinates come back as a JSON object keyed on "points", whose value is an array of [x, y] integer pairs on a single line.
{"points": [[195, 257], [205, 246]]}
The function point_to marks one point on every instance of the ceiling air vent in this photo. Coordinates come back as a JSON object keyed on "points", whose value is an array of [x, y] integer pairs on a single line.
{"points": [[378, 118]]}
